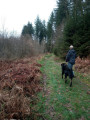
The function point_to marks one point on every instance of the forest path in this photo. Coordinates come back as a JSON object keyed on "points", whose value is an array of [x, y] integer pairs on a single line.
{"points": [[58, 101]]}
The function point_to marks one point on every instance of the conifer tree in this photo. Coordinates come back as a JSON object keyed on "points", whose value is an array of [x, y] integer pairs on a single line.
{"points": [[28, 29], [61, 11], [74, 17], [40, 29], [50, 32]]}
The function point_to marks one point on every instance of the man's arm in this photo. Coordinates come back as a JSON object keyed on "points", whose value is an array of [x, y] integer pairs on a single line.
{"points": [[68, 56]]}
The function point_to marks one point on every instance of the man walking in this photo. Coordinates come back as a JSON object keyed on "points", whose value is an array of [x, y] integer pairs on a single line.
{"points": [[70, 58]]}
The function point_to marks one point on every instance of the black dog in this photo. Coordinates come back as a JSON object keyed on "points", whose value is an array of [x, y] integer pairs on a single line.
{"points": [[67, 72]]}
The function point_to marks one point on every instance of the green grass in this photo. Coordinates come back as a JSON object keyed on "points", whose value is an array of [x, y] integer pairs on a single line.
{"points": [[69, 103]]}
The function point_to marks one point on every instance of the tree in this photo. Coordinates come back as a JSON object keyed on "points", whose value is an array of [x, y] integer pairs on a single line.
{"points": [[77, 28], [71, 26], [50, 32], [40, 29], [28, 29], [61, 11]]}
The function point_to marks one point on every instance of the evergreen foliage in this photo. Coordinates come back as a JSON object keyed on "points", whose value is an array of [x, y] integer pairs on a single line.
{"points": [[28, 29], [40, 29], [76, 16], [77, 29], [68, 24], [50, 32], [61, 11]]}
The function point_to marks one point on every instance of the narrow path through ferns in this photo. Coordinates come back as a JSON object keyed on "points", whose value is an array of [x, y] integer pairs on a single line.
{"points": [[58, 101]]}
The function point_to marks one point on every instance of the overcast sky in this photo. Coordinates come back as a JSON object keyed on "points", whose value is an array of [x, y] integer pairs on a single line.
{"points": [[14, 14]]}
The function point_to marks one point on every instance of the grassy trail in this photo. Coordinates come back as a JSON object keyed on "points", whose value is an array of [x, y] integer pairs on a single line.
{"points": [[58, 101]]}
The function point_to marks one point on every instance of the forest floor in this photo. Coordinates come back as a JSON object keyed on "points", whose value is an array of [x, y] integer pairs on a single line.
{"points": [[58, 101]]}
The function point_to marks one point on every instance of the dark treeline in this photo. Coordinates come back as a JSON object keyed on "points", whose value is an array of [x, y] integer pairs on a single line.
{"points": [[68, 24], [38, 31]]}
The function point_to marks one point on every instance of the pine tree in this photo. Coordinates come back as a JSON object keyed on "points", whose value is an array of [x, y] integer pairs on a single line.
{"points": [[40, 29], [28, 29], [77, 28], [74, 17], [50, 32], [61, 11]]}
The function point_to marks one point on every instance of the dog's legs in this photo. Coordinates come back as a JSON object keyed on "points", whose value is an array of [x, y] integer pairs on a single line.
{"points": [[70, 76], [71, 83], [62, 74], [65, 78]]}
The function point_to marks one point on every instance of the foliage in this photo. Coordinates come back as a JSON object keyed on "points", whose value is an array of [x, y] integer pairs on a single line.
{"points": [[19, 82], [61, 12], [77, 33], [71, 26], [28, 29], [40, 29], [13, 47], [68, 24], [50, 33], [83, 65]]}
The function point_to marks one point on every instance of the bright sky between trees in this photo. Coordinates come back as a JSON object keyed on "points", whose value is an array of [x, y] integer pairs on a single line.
{"points": [[14, 14]]}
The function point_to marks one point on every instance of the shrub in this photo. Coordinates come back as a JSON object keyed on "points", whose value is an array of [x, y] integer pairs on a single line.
{"points": [[20, 47]]}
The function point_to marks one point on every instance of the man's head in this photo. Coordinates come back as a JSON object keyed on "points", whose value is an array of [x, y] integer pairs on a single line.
{"points": [[71, 47]]}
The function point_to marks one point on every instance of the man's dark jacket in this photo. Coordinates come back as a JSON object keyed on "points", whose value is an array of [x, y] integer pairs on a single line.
{"points": [[71, 56]]}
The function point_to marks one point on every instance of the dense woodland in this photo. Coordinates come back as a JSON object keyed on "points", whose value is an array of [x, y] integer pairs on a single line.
{"points": [[68, 24]]}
